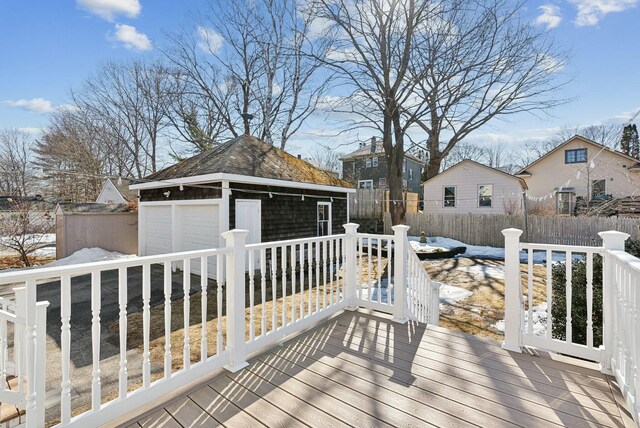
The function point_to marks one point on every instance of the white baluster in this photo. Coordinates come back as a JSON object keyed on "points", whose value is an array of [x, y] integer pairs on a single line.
{"points": [[360, 279], [263, 291], [4, 350], [389, 269], [204, 278], [549, 294], [122, 326], [293, 283], [65, 339], [168, 280], [331, 255], [96, 387], [274, 288], [186, 310], [31, 352], [252, 292], [317, 263], [219, 280], [369, 267], [302, 310], [324, 274], [283, 260], [569, 272], [589, 257], [379, 273], [530, 290], [146, 325]]}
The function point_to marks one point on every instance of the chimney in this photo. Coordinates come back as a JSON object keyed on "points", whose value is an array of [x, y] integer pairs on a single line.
{"points": [[299, 156], [373, 144]]}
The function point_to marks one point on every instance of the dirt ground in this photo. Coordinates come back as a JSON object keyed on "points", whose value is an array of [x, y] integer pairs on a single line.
{"points": [[481, 310]]}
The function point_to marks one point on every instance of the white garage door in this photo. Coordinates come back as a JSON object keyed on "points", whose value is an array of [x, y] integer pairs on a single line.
{"points": [[157, 221], [199, 230]]}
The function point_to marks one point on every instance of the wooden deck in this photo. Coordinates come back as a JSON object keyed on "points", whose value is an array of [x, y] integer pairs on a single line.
{"points": [[364, 370]]}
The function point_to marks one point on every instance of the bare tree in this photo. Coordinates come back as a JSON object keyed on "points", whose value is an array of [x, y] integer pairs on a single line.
{"points": [[326, 157], [374, 43], [17, 177], [256, 64], [23, 228], [127, 103], [73, 157], [479, 60]]}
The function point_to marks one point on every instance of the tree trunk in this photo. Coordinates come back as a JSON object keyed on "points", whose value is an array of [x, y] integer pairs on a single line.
{"points": [[433, 168]]}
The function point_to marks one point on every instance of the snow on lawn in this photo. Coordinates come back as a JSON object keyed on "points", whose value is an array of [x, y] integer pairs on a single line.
{"points": [[449, 294], [45, 252], [41, 238], [539, 317], [481, 272], [482, 251], [89, 255]]}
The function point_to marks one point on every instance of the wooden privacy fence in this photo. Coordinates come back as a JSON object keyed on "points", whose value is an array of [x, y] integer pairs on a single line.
{"points": [[373, 203], [486, 229]]}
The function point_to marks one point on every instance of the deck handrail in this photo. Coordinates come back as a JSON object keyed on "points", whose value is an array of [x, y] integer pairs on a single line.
{"points": [[311, 279], [619, 352]]}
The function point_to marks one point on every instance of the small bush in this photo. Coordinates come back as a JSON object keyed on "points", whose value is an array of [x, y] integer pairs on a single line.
{"points": [[579, 298]]}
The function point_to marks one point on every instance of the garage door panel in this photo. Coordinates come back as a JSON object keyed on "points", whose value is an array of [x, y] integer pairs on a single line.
{"points": [[199, 230], [157, 239]]}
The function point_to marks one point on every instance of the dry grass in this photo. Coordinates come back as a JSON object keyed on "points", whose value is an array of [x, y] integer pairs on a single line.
{"points": [[477, 313], [309, 301], [13, 262]]}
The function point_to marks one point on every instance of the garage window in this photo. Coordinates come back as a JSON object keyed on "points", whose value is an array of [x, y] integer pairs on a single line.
{"points": [[324, 218]]}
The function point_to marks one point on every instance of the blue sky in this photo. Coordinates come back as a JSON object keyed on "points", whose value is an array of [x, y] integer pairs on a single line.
{"points": [[47, 47]]}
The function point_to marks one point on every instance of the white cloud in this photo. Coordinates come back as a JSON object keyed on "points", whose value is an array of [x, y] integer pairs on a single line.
{"points": [[551, 64], [32, 131], [35, 105], [550, 16], [210, 40], [131, 38], [109, 9], [590, 12]]}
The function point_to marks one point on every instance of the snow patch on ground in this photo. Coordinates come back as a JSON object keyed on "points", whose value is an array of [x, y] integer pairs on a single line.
{"points": [[425, 248], [485, 252], [481, 272], [45, 252], [539, 319], [450, 294], [89, 255]]}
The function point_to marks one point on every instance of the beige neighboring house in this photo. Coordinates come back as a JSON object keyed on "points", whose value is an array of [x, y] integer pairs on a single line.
{"points": [[470, 187], [116, 192], [579, 168]]}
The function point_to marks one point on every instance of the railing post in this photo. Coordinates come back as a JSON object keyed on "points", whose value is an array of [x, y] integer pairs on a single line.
{"points": [[611, 241], [235, 289], [41, 361], [400, 242], [512, 290], [351, 230]]}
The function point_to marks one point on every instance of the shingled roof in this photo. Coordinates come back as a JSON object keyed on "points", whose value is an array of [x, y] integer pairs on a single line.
{"points": [[249, 156]]}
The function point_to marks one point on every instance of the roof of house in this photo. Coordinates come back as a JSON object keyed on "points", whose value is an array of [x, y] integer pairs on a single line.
{"points": [[249, 156], [365, 150], [7, 203], [635, 162], [91, 208], [122, 185], [499, 171]]}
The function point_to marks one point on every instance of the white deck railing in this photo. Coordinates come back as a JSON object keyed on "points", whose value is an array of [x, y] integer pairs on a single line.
{"points": [[619, 352], [286, 287]]}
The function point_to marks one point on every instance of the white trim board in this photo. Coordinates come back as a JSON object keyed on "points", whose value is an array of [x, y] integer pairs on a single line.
{"points": [[243, 179]]}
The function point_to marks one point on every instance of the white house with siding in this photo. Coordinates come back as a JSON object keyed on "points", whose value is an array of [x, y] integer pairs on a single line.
{"points": [[470, 187], [579, 168]]}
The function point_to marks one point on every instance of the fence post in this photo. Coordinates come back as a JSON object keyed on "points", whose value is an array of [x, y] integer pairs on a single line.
{"points": [[351, 230], [400, 242], [512, 290], [235, 289], [611, 241]]}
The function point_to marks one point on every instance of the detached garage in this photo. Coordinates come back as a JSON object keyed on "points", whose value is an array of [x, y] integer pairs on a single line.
{"points": [[246, 184]]}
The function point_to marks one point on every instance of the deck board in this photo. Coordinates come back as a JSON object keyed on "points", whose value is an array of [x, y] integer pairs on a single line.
{"points": [[362, 369]]}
